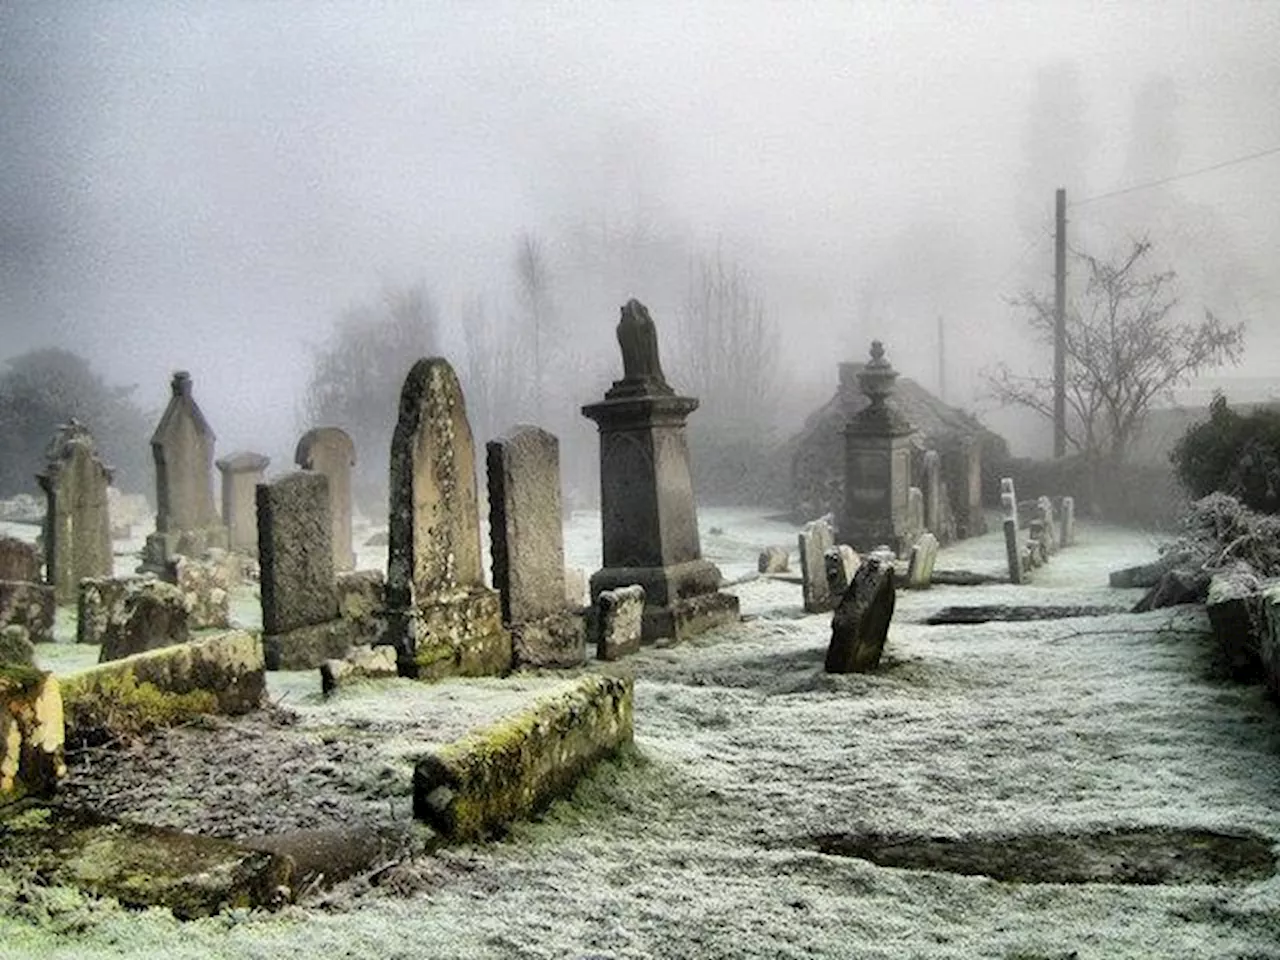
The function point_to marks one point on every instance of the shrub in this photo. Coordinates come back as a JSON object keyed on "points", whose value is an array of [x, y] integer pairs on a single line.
{"points": [[1233, 454]]}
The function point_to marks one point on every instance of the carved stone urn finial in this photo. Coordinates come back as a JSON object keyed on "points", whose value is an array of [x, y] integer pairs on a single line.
{"points": [[877, 377]]}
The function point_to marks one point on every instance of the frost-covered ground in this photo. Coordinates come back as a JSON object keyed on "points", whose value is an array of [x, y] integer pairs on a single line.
{"points": [[699, 844]]}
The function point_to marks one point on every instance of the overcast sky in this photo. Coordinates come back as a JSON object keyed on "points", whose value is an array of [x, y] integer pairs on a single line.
{"points": [[208, 185]]}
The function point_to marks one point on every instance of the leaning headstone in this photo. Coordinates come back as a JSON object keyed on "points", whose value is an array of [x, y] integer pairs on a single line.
{"points": [[182, 447], [30, 606], [155, 615], [331, 451], [300, 624], [241, 473], [860, 624], [77, 521], [924, 554], [619, 617], [1013, 550], [527, 537], [20, 560], [442, 618], [649, 521], [815, 540], [1068, 521], [772, 560]]}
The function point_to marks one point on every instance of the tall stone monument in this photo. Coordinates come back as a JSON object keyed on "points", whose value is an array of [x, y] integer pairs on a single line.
{"points": [[441, 617], [182, 446], [241, 473], [526, 533], [330, 450], [77, 524], [877, 465], [650, 523]]}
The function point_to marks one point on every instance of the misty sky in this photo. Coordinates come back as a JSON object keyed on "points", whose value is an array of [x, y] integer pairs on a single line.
{"points": [[208, 185]]}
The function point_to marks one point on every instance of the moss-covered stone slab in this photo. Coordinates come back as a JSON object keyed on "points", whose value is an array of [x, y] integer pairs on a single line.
{"points": [[222, 674], [31, 733], [469, 789], [140, 865]]}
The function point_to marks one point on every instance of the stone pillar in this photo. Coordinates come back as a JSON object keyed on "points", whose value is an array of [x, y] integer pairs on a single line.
{"points": [[77, 524], [648, 517], [241, 474], [182, 446], [441, 617], [527, 536], [331, 451], [877, 472], [931, 485]]}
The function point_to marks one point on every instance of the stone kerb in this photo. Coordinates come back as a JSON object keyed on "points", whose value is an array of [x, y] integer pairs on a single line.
{"points": [[442, 618], [527, 547], [331, 451], [77, 521]]}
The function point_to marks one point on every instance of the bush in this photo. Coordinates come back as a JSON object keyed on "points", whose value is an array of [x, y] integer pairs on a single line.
{"points": [[1233, 454]]}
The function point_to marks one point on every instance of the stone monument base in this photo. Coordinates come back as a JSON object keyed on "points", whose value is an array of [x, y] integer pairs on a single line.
{"points": [[460, 636], [559, 640], [681, 600], [306, 648], [161, 548]]}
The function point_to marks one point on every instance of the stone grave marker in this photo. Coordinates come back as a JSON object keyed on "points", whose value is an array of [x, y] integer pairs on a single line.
{"points": [[527, 538], [860, 624], [155, 615], [619, 618], [331, 451], [20, 561], [77, 521], [924, 554], [442, 618], [241, 473], [1012, 549], [815, 540], [1068, 521]]}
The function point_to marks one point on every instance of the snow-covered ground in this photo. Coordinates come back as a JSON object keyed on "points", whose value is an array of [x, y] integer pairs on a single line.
{"points": [[700, 843]]}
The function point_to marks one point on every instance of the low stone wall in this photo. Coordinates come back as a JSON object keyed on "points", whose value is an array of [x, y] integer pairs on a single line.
{"points": [[31, 733], [470, 788], [221, 674]]}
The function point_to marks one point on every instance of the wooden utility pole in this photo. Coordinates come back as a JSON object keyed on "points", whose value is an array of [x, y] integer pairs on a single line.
{"points": [[942, 361], [1060, 326]]}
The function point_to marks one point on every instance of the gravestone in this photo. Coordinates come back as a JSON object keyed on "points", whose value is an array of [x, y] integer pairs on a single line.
{"points": [[1044, 512], [300, 624], [815, 540], [860, 624], [772, 560], [77, 522], [648, 516], [442, 618], [1013, 550], [931, 486], [527, 539], [30, 606], [915, 515], [20, 560], [182, 447], [877, 472], [924, 554], [841, 562], [330, 450], [1068, 521], [619, 621], [155, 615], [241, 474]]}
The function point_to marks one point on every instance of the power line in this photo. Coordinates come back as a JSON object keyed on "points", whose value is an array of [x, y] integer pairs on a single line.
{"points": [[1176, 176]]}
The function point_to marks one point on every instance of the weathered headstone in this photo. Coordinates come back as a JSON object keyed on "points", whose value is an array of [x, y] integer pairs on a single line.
{"points": [[182, 447], [155, 615], [527, 538], [442, 618], [300, 625], [100, 608], [931, 486], [924, 554], [331, 451], [241, 473], [1044, 512], [772, 560], [28, 605], [1068, 521], [648, 516], [860, 624], [915, 516], [77, 522], [877, 472], [815, 540], [1013, 550], [619, 621], [20, 560], [841, 562]]}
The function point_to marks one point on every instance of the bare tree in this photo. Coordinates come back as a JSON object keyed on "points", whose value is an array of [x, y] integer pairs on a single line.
{"points": [[1124, 350], [727, 349], [533, 287], [492, 380]]}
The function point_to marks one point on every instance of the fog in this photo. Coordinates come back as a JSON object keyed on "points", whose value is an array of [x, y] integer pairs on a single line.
{"points": [[208, 186]]}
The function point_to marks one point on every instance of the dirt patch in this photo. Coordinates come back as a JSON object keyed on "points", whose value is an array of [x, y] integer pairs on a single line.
{"points": [[1145, 856]]}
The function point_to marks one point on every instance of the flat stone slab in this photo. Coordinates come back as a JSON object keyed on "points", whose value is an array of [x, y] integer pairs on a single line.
{"points": [[470, 789], [139, 865]]}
